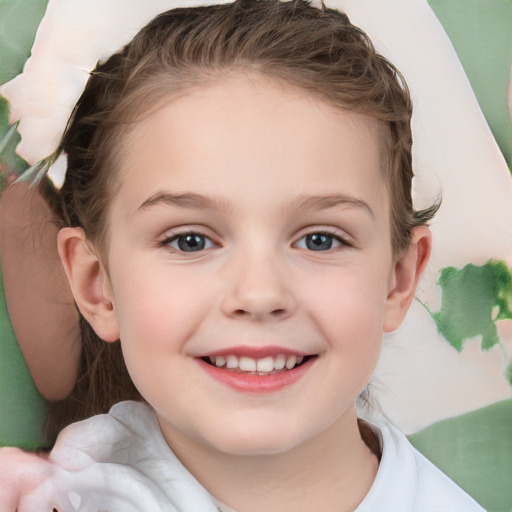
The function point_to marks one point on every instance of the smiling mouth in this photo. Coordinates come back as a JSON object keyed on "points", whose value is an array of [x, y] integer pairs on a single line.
{"points": [[269, 365]]}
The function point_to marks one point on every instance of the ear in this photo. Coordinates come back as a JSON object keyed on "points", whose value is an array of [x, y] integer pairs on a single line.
{"points": [[405, 277], [89, 283]]}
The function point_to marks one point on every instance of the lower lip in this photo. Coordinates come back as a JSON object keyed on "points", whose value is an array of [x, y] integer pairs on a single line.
{"points": [[257, 383]]}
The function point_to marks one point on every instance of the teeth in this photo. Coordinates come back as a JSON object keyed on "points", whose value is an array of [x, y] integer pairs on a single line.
{"points": [[261, 366], [291, 361], [265, 365], [279, 362], [232, 362], [247, 364]]}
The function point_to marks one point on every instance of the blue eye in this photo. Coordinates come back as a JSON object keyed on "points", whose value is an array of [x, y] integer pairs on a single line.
{"points": [[320, 242], [189, 242]]}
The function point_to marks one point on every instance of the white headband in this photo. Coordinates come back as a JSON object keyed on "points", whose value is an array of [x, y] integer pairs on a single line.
{"points": [[72, 38]]}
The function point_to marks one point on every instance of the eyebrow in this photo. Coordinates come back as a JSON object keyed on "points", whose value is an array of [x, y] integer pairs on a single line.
{"points": [[318, 203], [301, 203], [186, 200]]}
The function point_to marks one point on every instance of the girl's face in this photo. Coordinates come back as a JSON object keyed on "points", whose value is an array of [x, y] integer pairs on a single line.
{"points": [[251, 231]]}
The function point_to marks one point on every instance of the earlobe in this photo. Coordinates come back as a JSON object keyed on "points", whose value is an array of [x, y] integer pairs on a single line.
{"points": [[407, 273], [89, 283]]}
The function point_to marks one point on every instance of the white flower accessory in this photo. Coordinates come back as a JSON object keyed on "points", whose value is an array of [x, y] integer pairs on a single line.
{"points": [[72, 38]]}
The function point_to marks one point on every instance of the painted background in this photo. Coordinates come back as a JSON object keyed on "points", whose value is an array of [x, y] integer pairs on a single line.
{"points": [[445, 378]]}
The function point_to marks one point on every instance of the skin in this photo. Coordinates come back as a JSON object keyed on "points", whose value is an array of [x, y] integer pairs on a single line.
{"points": [[266, 157], [39, 300], [26, 472]]}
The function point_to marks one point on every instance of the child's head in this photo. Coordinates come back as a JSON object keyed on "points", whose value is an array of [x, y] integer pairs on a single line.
{"points": [[289, 116], [319, 53]]}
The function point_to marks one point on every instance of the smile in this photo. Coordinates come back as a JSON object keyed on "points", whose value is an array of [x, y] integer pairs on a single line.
{"points": [[265, 366], [254, 371]]}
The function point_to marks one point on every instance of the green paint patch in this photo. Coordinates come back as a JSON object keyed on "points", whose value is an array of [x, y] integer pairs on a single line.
{"points": [[480, 33], [22, 409], [19, 20], [473, 299], [9, 139], [474, 450]]}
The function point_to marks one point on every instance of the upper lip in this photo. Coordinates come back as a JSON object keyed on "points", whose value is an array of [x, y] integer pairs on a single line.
{"points": [[254, 352]]}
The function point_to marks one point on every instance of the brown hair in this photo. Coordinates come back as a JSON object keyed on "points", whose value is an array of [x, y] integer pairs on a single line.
{"points": [[316, 51]]}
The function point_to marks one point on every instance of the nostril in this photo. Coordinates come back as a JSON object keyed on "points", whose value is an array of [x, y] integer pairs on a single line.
{"points": [[272, 313]]}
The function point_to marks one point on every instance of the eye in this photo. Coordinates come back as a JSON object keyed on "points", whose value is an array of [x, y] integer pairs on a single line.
{"points": [[188, 242], [321, 242]]}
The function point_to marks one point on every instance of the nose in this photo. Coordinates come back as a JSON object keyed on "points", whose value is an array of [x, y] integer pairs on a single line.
{"points": [[259, 289]]}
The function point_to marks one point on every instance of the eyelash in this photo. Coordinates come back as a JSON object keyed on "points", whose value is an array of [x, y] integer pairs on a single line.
{"points": [[208, 243], [337, 237], [166, 242]]}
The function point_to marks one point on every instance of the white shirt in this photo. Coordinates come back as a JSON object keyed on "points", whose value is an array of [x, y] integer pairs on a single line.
{"points": [[408, 482], [121, 461]]}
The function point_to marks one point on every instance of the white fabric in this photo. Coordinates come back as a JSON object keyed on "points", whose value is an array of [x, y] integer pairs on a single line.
{"points": [[407, 482], [120, 461]]}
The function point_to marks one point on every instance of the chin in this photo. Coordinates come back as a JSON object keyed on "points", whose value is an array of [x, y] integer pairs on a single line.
{"points": [[256, 439]]}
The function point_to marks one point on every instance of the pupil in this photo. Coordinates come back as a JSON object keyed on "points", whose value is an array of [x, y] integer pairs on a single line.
{"points": [[319, 242], [191, 243]]}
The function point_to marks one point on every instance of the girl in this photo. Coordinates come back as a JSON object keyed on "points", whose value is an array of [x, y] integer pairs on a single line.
{"points": [[237, 218]]}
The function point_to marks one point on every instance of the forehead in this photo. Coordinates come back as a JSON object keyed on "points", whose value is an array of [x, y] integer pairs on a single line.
{"points": [[247, 137]]}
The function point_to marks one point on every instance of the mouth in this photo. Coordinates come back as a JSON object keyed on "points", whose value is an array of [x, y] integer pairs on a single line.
{"points": [[265, 366], [258, 371]]}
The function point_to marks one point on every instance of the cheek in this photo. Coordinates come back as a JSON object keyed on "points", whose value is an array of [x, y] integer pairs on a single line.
{"points": [[350, 312], [155, 322], [158, 310]]}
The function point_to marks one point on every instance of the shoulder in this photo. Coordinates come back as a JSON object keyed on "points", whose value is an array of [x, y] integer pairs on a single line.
{"points": [[407, 482]]}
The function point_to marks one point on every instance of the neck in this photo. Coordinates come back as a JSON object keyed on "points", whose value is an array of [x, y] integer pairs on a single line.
{"points": [[332, 472]]}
